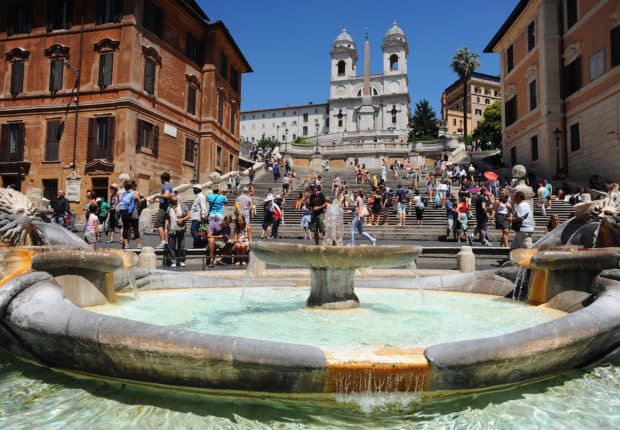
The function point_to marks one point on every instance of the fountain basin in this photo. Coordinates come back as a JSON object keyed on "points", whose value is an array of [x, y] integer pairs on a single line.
{"points": [[332, 268]]}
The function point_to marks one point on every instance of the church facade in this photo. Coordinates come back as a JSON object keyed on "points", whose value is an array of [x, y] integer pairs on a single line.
{"points": [[366, 108]]}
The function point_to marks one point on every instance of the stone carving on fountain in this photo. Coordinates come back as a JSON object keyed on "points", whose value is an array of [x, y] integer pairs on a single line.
{"points": [[23, 222]]}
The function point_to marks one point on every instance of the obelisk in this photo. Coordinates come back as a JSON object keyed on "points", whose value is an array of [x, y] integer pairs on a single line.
{"points": [[367, 110]]}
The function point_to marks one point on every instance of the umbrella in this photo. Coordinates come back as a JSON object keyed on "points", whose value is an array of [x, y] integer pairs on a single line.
{"points": [[473, 190], [491, 176]]}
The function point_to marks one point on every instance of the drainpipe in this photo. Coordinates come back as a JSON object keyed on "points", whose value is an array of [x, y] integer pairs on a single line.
{"points": [[563, 87]]}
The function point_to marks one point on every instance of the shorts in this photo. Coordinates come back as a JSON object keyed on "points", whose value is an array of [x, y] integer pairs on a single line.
{"points": [[162, 216], [401, 208], [450, 223], [419, 212], [220, 244], [285, 186], [317, 223], [215, 217], [305, 221], [501, 222]]}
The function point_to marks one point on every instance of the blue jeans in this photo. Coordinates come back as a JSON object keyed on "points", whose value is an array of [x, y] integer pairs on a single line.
{"points": [[360, 228], [198, 241]]}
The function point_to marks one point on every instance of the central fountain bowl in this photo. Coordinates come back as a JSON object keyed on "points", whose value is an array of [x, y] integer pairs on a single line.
{"points": [[332, 268]]}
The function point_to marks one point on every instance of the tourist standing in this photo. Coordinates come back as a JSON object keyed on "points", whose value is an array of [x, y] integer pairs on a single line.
{"points": [[90, 202], [482, 216], [162, 214], [451, 213], [245, 204], [285, 184], [178, 215], [62, 210], [317, 203], [91, 233], [522, 222], [360, 212], [216, 202], [276, 172], [198, 213], [501, 211], [401, 205], [128, 207], [114, 216], [419, 207]]}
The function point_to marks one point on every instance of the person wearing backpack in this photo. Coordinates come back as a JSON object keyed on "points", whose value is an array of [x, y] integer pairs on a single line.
{"points": [[419, 207], [401, 204], [128, 206]]}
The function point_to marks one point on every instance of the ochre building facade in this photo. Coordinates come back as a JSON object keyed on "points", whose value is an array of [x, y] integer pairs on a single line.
{"points": [[561, 87], [159, 90]]}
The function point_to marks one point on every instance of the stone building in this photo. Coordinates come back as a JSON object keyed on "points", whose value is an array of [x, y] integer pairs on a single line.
{"points": [[368, 108], [561, 87], [482, 91], [159, 90]]}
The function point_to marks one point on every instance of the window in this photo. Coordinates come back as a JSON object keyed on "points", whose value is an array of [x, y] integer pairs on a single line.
{"points": [[510, 110], [393, 112], [393, 62], [454, 122], [12, 142], [235, 79], [575, 141], [478, 112], [189, 150], [340, 116], [496, 93], [615, 46], [56, 74], [218, 156], [232, 122], [149, 76], [305, 117], [597, 64], [533, 95], [341, 67], [220, 109], [231, 161], [572, 76], [487, 92], [19, 18], [106, 64], [59, 14], [294, 136], [55, 129], [148, 138], [108, 11], [487, 101], [17, 78], [572, 13], [534, 146], [100, 138], [513, 156], [223, 65], [477, 90], [191, 100], [304, 130], [510, 61], [477, 99], [531, 36], [153, 18], [193, 49]]}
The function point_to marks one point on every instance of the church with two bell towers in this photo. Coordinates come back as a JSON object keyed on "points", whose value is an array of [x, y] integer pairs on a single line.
{"points": [[370, 102], [361, 109]]}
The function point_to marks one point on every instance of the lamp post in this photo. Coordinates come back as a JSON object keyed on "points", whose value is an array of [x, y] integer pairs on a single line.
{"points": [[285, 139], [316, 128], [195, 147], [277, 133], [556, 134]]}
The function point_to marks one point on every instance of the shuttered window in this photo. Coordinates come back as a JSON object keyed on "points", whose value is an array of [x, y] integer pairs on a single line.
{"points": [[191, 100], [189, 150], [572, 13], [220, 110], [534, 147], [572, 76], [153, 18], [615, 46], [59, 14], [510, 59], [108, 11], [12, 138], [575, 138], [52, 140], [56, 74], [19, 18], [193, 49], [148, 138], [149, 76], [106, 64], [101, 138], [17, 78], [533, 95], [510, 111]]}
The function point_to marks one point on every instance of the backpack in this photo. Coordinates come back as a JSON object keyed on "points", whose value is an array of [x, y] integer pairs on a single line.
{"points": [[127, 202]]}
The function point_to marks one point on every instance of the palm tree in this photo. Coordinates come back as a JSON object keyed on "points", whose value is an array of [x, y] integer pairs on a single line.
{"points": [[464, 63]]}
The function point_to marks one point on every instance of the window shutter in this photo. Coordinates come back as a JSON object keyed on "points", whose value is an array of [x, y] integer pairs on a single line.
{"points": [[191, 100], [56, 75], [118, 10], [12, 15], [68, 14], [17, 78], [4, 142], [111, 133], [139, 141], [155, 142], [106, 62], [100, 11], [149, 77], [615, 46], [21, 137], [92, 138], [28, 13], [49, 140]]}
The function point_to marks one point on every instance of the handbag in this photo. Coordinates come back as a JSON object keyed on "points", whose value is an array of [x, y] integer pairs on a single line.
{"points": [[518, 225], [363, 212]]}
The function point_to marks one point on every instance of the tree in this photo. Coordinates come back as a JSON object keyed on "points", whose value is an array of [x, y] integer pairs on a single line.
{"points": [[423, 122], [490, 128], [464, 63], [267, 143]]}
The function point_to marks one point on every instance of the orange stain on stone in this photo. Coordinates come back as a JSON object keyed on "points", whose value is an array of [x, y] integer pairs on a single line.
{"points": [[408, 372], [15, 262], [538, 287]]}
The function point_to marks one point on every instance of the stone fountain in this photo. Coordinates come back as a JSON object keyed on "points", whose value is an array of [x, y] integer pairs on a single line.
{"points": [[332, 266]]}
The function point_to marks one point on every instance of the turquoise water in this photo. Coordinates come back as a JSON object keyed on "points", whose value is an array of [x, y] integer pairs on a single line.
{"points": [[37, 398], [398, 318]]}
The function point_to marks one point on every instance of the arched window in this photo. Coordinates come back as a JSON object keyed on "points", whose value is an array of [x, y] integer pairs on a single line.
{"points": [[340, 116], [393, 62], [394, 111], [341, 67]]}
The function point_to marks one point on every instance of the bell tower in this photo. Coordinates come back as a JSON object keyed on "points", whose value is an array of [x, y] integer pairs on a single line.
{"points": [[395, 50], [344, 57]]}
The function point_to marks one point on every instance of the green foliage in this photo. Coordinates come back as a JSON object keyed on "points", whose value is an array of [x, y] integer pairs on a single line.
{"points": [[464, 63], [302, 141], [489, 130], [267, 143], [423, 122]]}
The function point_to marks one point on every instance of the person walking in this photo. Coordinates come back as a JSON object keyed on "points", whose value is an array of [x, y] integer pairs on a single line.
{"points": [[128, 206], [500, 213], [91, 232], [114, 216], [360, 212], [522, 222], [199, 213], [317, 203], [162, 216], [178, 215], [401, 204]]}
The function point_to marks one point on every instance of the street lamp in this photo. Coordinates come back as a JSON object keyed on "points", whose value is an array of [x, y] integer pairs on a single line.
{"points": [[316, 128], [285, 139], [277, 133], [556, 134]]}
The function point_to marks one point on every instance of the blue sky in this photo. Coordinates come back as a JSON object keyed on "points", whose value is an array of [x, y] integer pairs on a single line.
{"points": [[287, 43]]}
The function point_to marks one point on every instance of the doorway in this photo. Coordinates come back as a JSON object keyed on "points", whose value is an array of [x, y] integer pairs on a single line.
{"points": [[100, 188], [50, 189]]}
